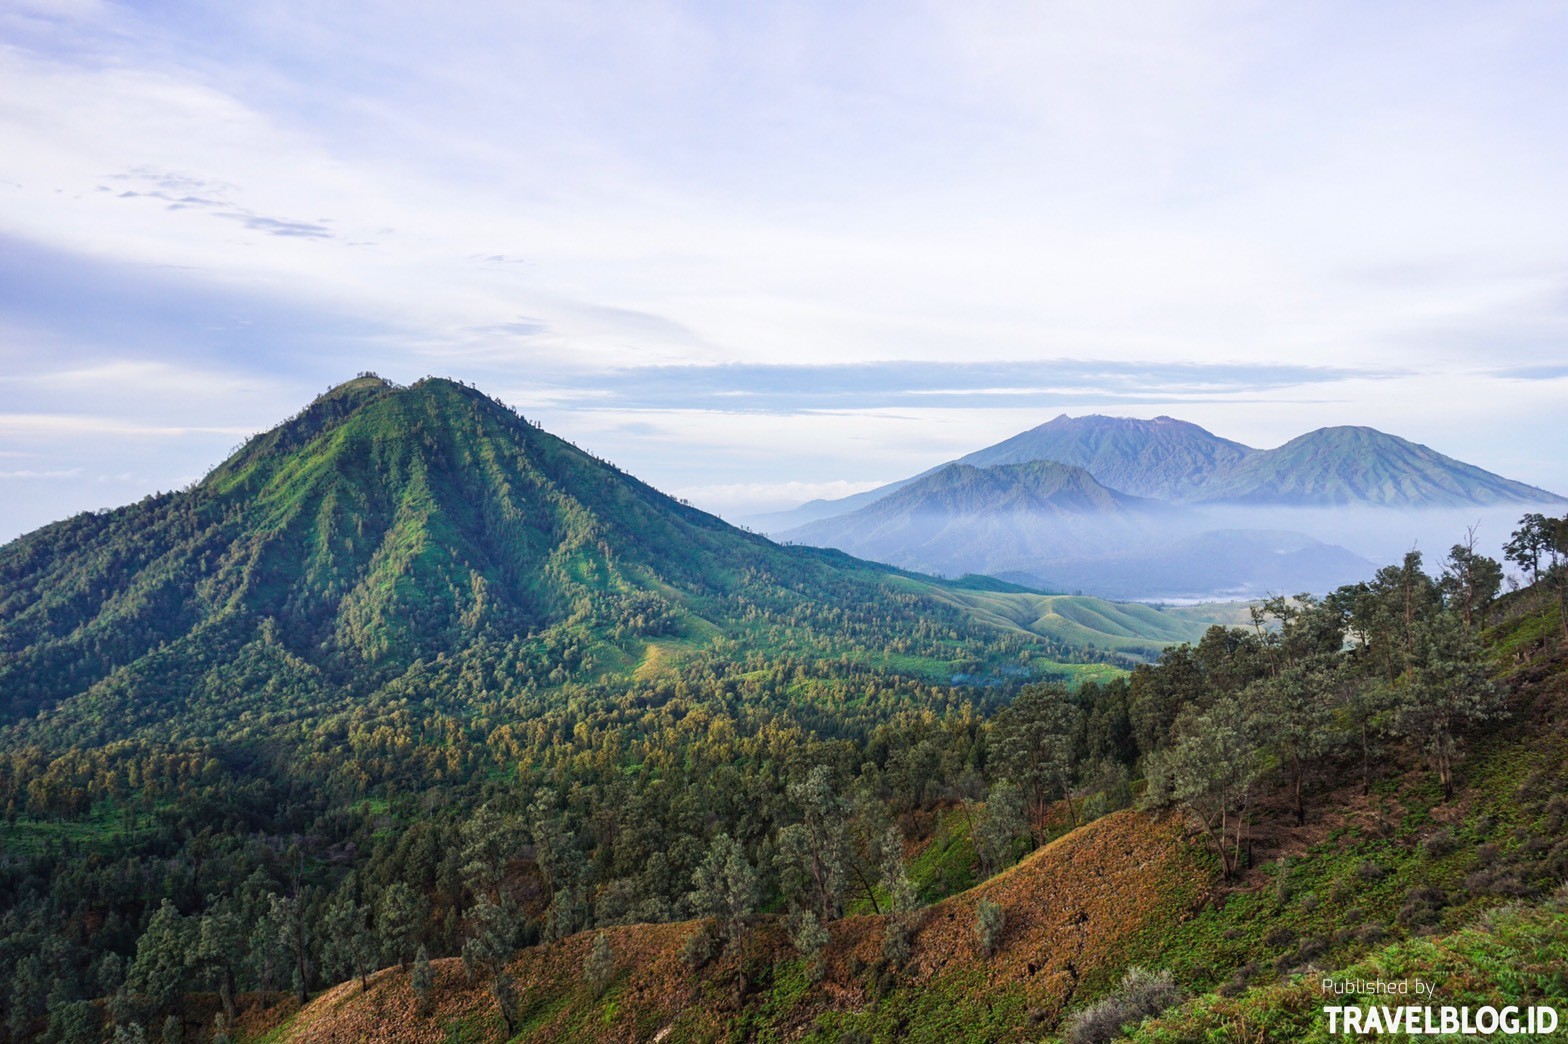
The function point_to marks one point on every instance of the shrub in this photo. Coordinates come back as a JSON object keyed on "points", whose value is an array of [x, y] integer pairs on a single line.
{"points": [[989, 922], [700, 947], [1423, 906], [810, 940], [1142, 994], [895, 941], [599, 964], [1282, 936]]}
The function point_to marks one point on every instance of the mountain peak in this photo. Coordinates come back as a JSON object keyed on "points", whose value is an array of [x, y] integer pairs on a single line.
{"points": [[1162, 458], [1357, 464]]}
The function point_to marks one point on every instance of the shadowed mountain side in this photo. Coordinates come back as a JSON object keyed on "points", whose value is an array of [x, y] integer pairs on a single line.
{"points": [[1053, 527], [1162, 458]]}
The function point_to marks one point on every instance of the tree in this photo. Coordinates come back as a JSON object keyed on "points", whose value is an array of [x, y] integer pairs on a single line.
{"points": [[1470, 581], [1359, 704], [490, 933], [280, 944], [399, 915], [1036, 746], [158, 971], [901, 898], [812, 854], [504, 989], [810, 940], [1295, 704], [350, 946], [1210, 770], [1530, 542], [487, 841], [1387, 614], [422, 980], [219, 941], [1448, 692], [724, 887], [998, 825]]}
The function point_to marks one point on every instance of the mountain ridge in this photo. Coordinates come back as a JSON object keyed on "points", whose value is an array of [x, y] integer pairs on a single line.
{"points": [[1181, 462]]}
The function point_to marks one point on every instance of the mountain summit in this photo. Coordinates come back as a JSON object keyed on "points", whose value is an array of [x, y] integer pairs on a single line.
{"points": [[1359, 465], [1163, 458]]}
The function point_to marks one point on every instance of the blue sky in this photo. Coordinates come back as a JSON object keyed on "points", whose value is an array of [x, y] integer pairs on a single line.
{"points": [[756, 256]]}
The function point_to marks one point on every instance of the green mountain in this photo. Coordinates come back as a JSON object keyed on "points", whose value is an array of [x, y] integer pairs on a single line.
{"points": [[1342, 466], [393, 537]]}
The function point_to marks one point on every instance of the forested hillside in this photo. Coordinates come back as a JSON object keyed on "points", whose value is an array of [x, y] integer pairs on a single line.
{"points": [[1390, 807]]}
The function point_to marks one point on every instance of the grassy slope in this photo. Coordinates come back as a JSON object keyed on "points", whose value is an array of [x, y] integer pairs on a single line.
{"points": [[1133, 628], [1512, 956]]}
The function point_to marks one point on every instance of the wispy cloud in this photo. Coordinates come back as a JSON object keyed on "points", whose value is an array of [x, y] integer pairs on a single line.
{"points": [[866, 386], [26, 473]]}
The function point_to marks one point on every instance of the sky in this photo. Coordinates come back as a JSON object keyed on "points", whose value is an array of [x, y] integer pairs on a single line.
{"points": [[756, 254]]}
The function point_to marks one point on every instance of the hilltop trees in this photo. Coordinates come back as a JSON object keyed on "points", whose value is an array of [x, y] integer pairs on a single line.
{"points": [[1318, 683], [1470, 581], [813, 853], [1446, 692], [1539, 537], [724, 887], [1036, 745], [1534, 540], [1211, 769]]}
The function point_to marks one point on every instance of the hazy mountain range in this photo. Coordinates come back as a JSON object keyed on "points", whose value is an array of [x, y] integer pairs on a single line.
{"points": [[1158, 508]]}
